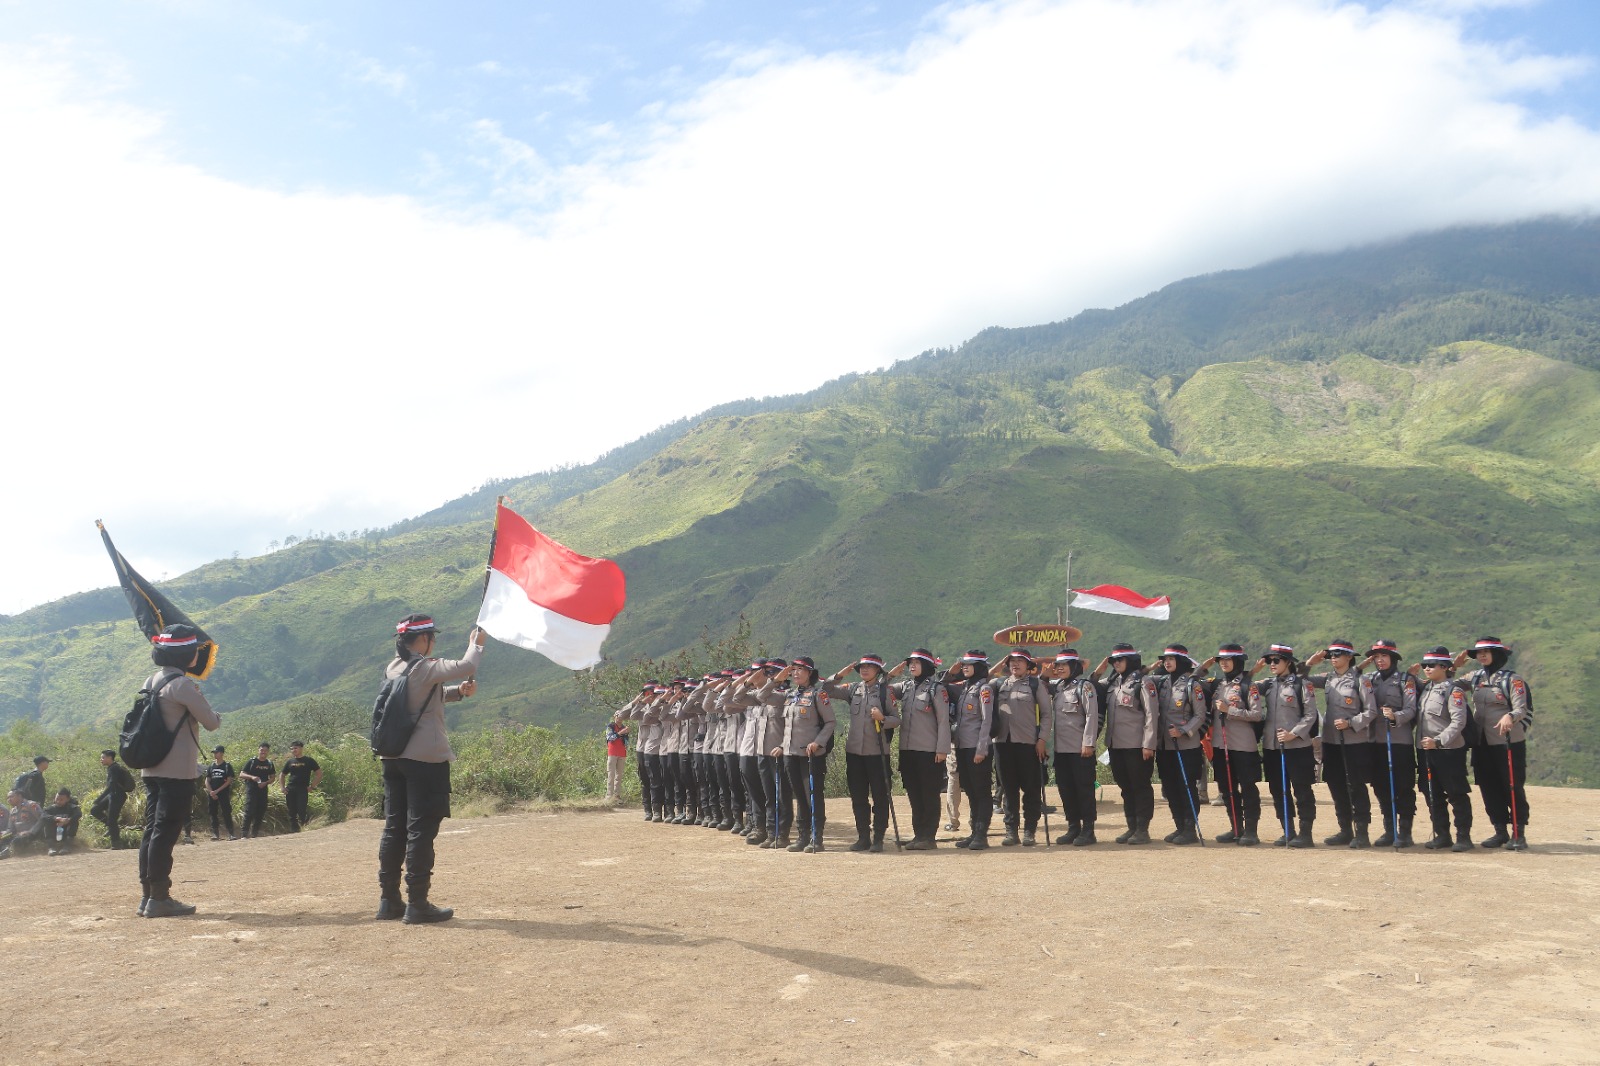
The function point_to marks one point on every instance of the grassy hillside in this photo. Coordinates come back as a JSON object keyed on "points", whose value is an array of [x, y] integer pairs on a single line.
{"points": [[1430, 494]]}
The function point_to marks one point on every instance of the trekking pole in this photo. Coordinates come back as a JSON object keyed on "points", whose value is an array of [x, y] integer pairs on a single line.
{"points": [[1394, 798], [1038, 721], [888, 785], [1227, 762], [1188, 788], [811, 775], [1349, 785], [777, 796], [1511, 791], [1283, 767]]}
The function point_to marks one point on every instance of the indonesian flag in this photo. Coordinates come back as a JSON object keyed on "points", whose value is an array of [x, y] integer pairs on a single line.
{"points": [[1114, 599], [546, 597]]}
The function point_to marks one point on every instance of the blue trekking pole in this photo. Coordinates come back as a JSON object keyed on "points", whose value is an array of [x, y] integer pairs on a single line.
{"points": [[1188, 788], [777, 800], [811, 776], [1394, 799], [1283, 765]]}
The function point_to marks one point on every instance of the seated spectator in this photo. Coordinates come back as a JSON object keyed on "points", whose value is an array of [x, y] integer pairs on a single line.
{"points": [[5, 831], [61, 820], [27, 821]]}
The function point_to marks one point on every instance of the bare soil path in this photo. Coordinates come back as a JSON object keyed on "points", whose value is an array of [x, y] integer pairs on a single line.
{"points": [[595, 937]]}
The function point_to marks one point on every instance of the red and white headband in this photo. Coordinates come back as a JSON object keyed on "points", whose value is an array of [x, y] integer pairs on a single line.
{"points": [[1281, 649], [1068, 657], [419, 626], [1489, 645], [1339, 647], [166, 641], [869, 660], [926, 658]]}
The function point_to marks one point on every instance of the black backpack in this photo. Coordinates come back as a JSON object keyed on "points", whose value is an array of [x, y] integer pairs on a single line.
{"points": [[145, 739], [392, 724]]}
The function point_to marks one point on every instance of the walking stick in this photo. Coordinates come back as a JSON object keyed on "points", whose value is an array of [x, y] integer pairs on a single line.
{"points": [[811, 772], [1349, 788], [1188, 788], [1038, 722], [1394, 799], [888, 785], [1227, 761], [1511, 791], [1283, 767]]}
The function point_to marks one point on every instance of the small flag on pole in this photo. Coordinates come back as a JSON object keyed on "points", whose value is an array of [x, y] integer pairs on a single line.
{"points": [[153, 611], [1114, 599], [547, 598]]}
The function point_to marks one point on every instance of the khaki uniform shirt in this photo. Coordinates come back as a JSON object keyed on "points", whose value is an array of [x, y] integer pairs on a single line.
{"points": [[428, 689], [178, 696]]}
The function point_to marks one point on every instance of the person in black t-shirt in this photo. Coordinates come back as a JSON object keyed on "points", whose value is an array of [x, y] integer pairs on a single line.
{"points": [[219, 790], [300, 775], [107, 806], [257, 774], [61, 820]]}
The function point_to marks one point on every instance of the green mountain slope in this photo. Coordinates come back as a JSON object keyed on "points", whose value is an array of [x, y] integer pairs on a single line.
{"points": [[1414, 477]]}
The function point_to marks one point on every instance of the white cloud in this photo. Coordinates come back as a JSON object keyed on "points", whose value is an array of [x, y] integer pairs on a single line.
{"points": [[803, 217], [369, 71]]}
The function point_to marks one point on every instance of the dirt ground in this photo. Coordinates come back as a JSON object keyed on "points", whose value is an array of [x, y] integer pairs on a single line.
{"points": [[594, 937]]}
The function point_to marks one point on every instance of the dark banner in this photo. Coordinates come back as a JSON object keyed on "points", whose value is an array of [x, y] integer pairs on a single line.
{"points": [[153, 611]]}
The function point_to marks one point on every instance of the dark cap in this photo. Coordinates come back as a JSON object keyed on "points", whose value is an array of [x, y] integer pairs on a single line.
{"points": [[297, 743], [37, 759], [109, 751], [218, 750]]}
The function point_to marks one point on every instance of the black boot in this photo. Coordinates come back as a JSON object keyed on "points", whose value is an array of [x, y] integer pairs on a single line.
{"points": [[1249, 839], [1519, 838], [1073, 829], [390, 905], [979, 840], [1186, 835], [877, 841], [1389, 836], [162, 905], [1030, 836], [758, 836], [738, 826], [1304, 840], [1361, 840], [1499, 839], [1010, 840], [1463, 842], [1404, 839], [1288, 834], [1141, 833], [419, 911], [1085, 838], [863, 842], [1342, 837], [1123, 838], [1228, 837], [1441, 838]]}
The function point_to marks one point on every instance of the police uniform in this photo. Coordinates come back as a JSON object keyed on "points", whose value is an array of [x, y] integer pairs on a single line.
{"points": [[808, 719], [774, 696], [671, 732], [924, 735], [1347, 754], [1497, 692], [735, 718], [1289, 703], [1236, 749], [1391, 698], [1074, 724], [866, 751], [648, 714], [1442, 715], [1130, 732], [1180, 701], [753, 711], [974, 703], [1018, 723]]}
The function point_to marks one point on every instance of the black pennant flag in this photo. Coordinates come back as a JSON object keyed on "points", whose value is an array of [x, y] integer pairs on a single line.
{"points": [[153, 611]]}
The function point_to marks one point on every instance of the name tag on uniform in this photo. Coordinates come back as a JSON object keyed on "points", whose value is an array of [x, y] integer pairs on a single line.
{"points": [[1126, 699]]}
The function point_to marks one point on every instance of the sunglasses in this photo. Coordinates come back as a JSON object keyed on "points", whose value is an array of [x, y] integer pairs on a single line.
{"points": [[1272, 660]]}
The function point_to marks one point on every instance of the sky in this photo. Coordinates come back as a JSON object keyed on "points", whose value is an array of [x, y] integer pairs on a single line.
{"points": [[271, 269]]}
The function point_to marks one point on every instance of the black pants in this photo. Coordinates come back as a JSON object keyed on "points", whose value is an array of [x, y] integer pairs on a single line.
{"points": [[807, 776], [755, 804], [641, 768], [1237, 774], [221, 811], [1347, 769], [722, 785], [111, 815], [298, 800], [780, 798], [1398, 779], [1075, 783], [1180, 782], [668, 761], [416, 798], [255, 809], [924, 781], [1133, 773], [1442, 780], [688, 788], [736, 799], [1020, 772], [869, 793], [1300, 764], [1502, 786], [167, 802], [977, 782]]}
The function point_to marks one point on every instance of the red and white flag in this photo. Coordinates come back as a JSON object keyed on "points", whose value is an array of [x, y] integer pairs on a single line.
{"points": [[1114, 599], [546, 597]]}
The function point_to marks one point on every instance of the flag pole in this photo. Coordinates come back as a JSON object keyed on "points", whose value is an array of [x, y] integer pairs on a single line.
{"points": [[1066, 614], [488, 567]]}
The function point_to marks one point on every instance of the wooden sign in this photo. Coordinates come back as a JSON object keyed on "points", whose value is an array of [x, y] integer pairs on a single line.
{"points": [[1038, 635]]}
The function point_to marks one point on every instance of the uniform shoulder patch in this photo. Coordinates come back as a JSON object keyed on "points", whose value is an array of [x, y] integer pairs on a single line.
{"points": [[1518, 686], [986, 694]]}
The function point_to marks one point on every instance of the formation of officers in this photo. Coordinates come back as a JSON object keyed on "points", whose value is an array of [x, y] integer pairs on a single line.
{"points": [[745, 749]]}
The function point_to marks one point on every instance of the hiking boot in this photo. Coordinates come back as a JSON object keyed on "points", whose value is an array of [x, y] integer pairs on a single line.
{"points": [[802, 844], [921, 845], [979, 841], [1186, 835], [1519, 839], [1360, 840], [965, 842], [421, 912], [1172, 836], [1282, 841], [861, 844], [1303, 838], [390, 907], [1010, 840], [1030, 838], [758, 837], [167, 908], [1341, 838], [1386, 840], [1249, 839], [1463, 843], [814, 847], [877, 846], [1073, 829], [1499, 839], [1123, 838], [1441, 839], [1229, 837], [1404, 839], [739, 826], [1141, 835], [144, 902], [1085, 838]]}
